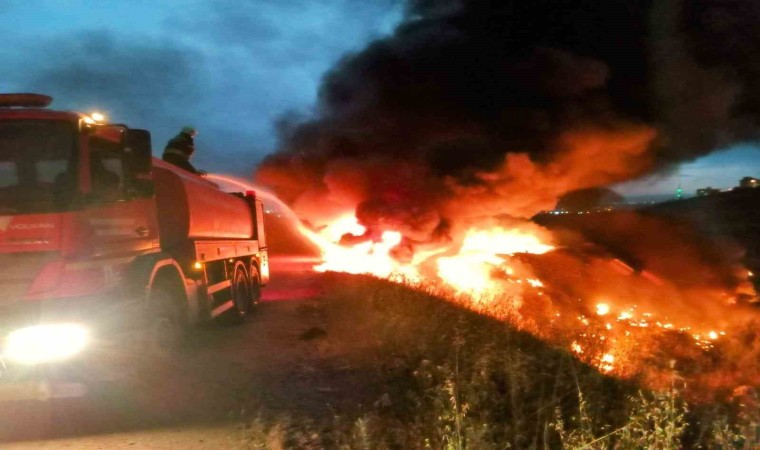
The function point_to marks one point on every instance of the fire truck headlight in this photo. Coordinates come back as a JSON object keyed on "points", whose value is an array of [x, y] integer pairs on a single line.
{"points": [[45, 343]]}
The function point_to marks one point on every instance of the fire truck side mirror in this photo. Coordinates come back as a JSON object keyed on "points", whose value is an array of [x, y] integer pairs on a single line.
{"points": [[138, 157], [137, 152]]}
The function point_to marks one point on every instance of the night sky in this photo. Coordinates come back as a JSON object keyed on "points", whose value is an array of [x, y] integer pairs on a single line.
{"points": [[231, 69]]}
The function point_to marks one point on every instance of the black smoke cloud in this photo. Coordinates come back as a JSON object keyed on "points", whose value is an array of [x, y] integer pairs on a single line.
{"points": [[489, 107], [143, 81]]}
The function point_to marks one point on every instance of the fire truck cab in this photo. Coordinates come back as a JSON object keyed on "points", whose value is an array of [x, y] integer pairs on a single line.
{"points": [[98, 236]]}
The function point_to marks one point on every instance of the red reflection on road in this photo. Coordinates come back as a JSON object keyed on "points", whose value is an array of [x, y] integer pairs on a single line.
{"points": [[292, 278]]}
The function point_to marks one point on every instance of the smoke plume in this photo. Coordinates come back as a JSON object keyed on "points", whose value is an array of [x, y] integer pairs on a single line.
{"points": [[485, 108]]}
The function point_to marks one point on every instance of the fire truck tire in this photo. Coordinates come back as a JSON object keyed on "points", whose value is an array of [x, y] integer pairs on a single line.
{"points": [[255, 289], [241, 298], [165, 326]]}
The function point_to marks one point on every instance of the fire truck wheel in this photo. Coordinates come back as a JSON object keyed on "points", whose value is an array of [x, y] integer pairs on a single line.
{"points": [[165, 330], [240, 297], [255, 289]]}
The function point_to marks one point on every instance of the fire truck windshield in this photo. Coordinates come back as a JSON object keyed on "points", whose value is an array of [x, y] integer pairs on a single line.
{"points": [[36, 169]]}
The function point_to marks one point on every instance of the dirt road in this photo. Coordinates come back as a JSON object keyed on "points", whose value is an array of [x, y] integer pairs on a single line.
{"points": [[280, 363]]}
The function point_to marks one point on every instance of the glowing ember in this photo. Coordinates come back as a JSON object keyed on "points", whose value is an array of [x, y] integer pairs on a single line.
{"points": [[606, 363], [535, 283], [602, 309]]}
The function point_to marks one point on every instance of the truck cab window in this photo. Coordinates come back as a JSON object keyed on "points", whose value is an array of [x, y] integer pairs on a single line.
{"points": [[8, 174], [33, 154]]}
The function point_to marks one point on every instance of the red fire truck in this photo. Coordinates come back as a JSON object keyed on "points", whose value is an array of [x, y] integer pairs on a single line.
{"points": [[97, 236]]}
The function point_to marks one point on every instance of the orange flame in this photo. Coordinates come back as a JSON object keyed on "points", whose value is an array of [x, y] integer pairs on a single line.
{"points": [[482, 253], [486, 272]]}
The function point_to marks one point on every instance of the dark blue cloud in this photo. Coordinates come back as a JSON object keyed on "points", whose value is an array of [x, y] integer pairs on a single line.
{"points": [[145, 83], [229, 68], [6, 6], [141, 81], [268, 57]]}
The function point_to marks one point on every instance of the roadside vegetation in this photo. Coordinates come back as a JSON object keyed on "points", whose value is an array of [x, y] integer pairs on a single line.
{"points": [[439, 376]]}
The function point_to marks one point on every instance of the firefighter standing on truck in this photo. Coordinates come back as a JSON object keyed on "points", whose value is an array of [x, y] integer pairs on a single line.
{"points": [[180, 148]]}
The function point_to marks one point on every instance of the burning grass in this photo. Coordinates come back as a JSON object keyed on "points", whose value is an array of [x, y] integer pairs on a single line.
{"points": [[631, 322], [443, 376], [617, 307]]}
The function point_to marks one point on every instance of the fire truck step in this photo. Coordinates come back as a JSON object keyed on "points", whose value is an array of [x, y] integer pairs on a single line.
{"points": [[222, 308], [219, 286]]}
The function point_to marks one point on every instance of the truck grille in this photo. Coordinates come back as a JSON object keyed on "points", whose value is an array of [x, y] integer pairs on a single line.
{"points": [[18, 272]]}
